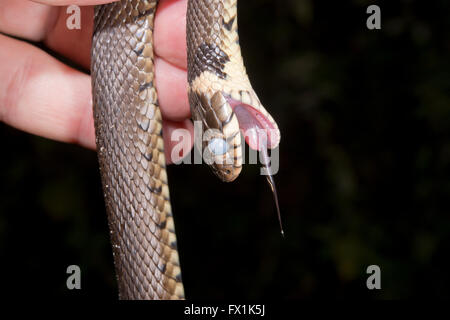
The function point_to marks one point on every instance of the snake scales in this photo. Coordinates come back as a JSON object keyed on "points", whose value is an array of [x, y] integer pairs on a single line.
{"points": [[128, 127]]}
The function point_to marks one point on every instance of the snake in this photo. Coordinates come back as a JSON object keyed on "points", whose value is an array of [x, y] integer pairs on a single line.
{"points": [[128, 128]]}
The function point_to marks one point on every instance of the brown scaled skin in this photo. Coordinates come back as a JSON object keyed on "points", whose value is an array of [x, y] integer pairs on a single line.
{"points": [[128, 127]]}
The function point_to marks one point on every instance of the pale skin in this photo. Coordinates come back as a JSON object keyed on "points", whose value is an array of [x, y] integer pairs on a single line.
{"points": [[43, 96]]}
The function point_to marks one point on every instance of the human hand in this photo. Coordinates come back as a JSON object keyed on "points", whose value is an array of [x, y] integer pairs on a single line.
{"points": [[41, 95]]}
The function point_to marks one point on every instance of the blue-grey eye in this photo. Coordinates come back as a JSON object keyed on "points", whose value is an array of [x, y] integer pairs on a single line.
{"points": [[218, 146]]}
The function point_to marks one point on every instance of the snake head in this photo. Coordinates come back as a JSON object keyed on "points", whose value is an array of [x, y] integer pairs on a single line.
{"points": [[221, 140], [222, 117]]}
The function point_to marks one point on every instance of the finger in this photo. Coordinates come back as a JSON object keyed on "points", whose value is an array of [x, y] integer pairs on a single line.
{"points": [[170, 32], [26, 19], [33, 20], [171, 85], [178, 139], [171, 81], [169, 36], [43, 96], [74, 44], [38, 22]]}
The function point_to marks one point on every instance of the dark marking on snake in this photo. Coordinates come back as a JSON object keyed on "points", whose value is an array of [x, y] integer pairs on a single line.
{"points": [[209, 57], [146, 13], [145, 86], [155, 190], [144, 124], [235, 146], [228, 25], [173, 244], [139, 51], [162, 268], [162, 224], [228, 120], [148, 156], [178, 277]]}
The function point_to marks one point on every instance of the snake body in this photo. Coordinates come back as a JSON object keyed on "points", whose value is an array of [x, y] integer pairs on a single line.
{"points": [[128, 127]]}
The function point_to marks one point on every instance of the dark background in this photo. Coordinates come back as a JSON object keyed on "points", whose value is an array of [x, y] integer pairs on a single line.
{"points": [[364, 179]]}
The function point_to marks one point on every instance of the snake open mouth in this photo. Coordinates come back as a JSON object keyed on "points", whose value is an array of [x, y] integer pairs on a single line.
{"points": [[258, 130]]}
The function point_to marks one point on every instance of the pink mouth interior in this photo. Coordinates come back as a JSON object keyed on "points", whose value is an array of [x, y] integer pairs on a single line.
{"points": [[258, 130]]}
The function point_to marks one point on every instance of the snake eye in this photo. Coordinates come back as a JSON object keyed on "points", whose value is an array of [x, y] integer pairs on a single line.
{"points": [[218, 146]]}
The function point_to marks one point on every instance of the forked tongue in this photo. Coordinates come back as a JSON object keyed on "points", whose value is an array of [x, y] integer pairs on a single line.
{"points": [[259, 134]]}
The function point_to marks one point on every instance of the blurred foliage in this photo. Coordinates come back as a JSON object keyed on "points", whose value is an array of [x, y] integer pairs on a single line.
{"points": [[364, 178]]}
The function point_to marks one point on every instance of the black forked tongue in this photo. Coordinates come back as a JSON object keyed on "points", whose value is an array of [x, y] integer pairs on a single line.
{"points": [[271, 182], [258, 134]]}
